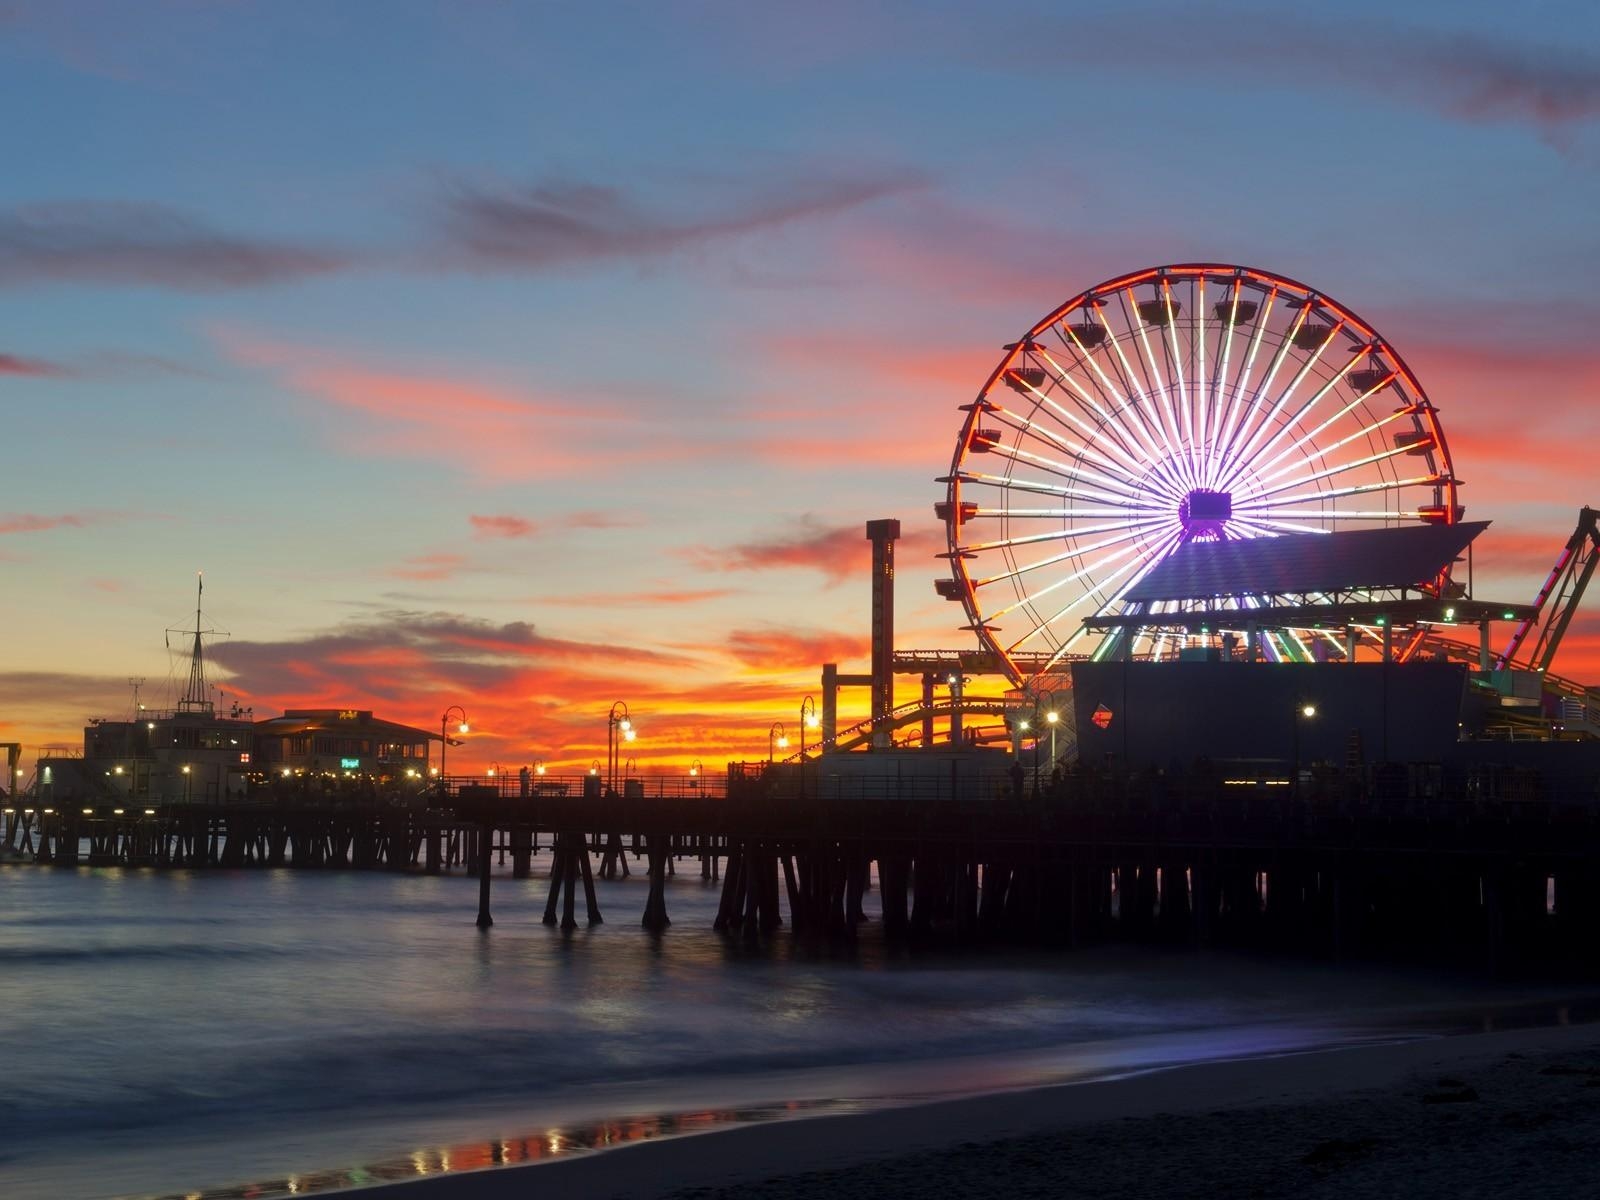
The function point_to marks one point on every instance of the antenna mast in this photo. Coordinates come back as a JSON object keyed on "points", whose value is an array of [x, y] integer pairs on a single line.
{"points": [[195, 698]]}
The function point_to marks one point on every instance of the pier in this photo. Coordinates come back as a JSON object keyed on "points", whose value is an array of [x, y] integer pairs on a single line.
{"points": [[1412, 868]]}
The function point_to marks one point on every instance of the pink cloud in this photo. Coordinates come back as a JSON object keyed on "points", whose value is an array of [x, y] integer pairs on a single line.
{"points": [[502, 526], [35, 523], [839, 552], [12, 364], [430, 566], [488, 429]]}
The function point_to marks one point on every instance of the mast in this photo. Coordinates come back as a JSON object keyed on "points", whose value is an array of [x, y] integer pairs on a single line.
{"points": [[196, 697]]}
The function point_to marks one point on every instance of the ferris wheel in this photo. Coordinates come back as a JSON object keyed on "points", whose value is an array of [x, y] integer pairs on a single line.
{"points": [[1200, 402]]}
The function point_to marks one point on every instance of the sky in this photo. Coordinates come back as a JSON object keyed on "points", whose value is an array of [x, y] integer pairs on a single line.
{"points": [[533, 357]]}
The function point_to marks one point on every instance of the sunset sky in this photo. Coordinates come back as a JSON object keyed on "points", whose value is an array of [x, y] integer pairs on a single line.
{"points": [[530, 357]]}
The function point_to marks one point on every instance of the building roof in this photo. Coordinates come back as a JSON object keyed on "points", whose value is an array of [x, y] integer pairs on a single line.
{"points": [[1302, 563], [339, 720]]}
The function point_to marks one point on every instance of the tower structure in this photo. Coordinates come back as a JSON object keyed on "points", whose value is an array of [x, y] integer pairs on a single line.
{"points": [[882, 534]]}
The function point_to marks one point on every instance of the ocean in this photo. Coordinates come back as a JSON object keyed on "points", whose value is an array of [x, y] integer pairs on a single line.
{"points": [[275, 1032]]}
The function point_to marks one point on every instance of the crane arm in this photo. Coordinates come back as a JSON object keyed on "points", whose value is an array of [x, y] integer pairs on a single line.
{"points": [[1568, 579]]}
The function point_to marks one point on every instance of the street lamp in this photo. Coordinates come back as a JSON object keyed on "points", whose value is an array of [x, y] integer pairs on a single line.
{"points": [[776, 739], [186, 783], [445, 741], [538, 766], [808, 720], [594, 767], [618, 722], [694, 773], [1303, 711]]}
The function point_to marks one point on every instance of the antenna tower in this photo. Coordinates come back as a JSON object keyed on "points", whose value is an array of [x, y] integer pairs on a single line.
{"points": [[196, 698]]}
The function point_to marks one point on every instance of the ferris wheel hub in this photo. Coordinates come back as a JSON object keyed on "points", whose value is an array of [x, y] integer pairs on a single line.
{"points": [[1205, 514]]}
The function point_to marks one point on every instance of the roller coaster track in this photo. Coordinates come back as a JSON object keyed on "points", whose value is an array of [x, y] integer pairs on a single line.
{"points": [[914, 711]]}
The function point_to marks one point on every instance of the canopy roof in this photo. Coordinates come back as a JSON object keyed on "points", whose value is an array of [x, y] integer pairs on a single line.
{"points": [[1306, 563]]}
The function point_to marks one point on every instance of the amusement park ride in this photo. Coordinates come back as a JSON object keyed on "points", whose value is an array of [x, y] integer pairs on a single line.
{"points": [[1211, 464]]}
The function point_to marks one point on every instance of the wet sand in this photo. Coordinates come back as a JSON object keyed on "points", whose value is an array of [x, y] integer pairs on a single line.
{"points": [[1505, 1114]]}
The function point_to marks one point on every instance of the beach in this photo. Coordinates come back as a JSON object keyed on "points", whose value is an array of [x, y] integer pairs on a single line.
{"points": [[278, 1033], [1506, 1113]]}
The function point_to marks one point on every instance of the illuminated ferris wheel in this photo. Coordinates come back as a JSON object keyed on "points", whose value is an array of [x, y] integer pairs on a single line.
{"points": [[1191, 403]]}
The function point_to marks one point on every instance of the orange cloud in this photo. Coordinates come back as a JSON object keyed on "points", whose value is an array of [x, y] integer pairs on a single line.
{"points": [[775, 650]]}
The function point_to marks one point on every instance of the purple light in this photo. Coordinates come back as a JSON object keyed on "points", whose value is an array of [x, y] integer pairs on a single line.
{"points": [[1205, 515]]}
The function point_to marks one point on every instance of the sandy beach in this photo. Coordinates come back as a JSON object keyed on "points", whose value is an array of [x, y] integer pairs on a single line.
{"points": [[1512, 1113]]}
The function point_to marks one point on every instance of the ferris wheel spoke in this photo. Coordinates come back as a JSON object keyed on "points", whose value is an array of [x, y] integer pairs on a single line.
{"points": [[1035, 486], [1056, 534], [1239, 404], [1126, 476], [1074, 552], [1361, 399], [1201, 395], [1178, 374], [1366, 431], [1115, 396], [1113, 495], [1290, 422], [1317, 514], [1330, 472], [1087, 572], [1164, 414], [1147, 566], [1272, 526], [1124, 400], [1386, 485], [1261, 419], [1224, 399]]}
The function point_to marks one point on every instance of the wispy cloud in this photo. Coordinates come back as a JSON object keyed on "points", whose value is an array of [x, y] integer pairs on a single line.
{"points": [[502, 526], [837, 551], [38, 523], [145, 246], [562, 222], [484, 427], [430, 566], [13, 364], [630, 598], [1465, 76]]}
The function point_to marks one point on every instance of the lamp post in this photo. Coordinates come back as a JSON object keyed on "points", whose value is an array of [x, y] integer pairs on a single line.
{"points": [[617, 722], [186, 779], [694, 774], [594, 766], [776, 740], [808, 720], [538, 766], [493, 772], [1303, 711], [445, 742]]}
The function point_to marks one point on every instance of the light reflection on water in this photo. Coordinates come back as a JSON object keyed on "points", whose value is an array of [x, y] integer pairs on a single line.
{"points": [[225, 1026]]}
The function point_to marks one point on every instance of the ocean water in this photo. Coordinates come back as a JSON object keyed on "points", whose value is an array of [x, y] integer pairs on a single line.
{"points": [[274, 1032]]}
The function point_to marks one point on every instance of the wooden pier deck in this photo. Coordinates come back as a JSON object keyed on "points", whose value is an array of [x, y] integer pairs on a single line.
{"points": [[1503, 882]]}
